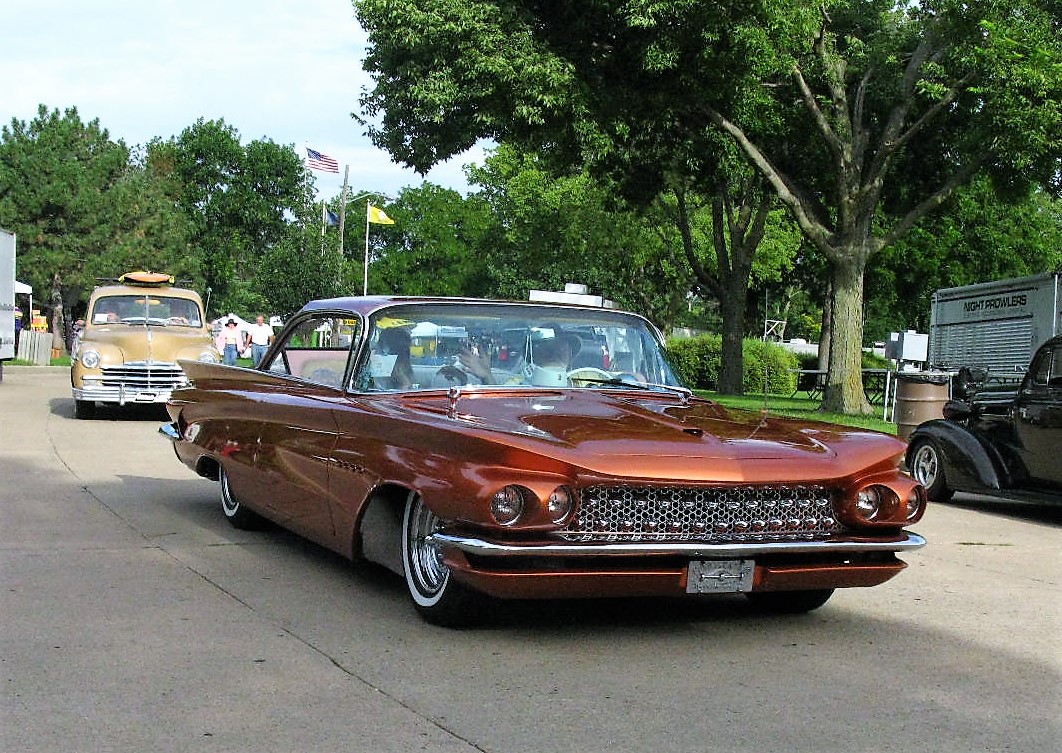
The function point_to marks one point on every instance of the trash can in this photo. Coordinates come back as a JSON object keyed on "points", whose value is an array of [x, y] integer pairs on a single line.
{"points": [[920, 396]]}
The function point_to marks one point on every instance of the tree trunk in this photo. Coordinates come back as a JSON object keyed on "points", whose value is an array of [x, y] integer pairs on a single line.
{"points": [[844, 387], [58, 319], [732, 368]]}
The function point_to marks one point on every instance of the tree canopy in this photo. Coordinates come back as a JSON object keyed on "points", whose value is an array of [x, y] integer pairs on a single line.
{"points": [[862, 115]]}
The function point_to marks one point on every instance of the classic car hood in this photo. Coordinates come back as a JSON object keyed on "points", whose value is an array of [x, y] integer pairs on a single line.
{"points": [[622, 433], [139, 343]]}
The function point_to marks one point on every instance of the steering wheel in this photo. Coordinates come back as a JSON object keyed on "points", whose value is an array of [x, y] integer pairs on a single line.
{"points": [[453, 375], [586, 374]]}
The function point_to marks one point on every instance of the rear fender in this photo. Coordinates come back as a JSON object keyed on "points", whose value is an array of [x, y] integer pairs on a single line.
{"points": [[970, 464]]}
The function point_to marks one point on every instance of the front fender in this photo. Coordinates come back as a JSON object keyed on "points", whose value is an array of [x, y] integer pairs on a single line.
{"points": [[970, 464]]}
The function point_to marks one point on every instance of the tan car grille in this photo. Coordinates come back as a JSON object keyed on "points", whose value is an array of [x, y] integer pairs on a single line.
{"points": [[157, 376]]}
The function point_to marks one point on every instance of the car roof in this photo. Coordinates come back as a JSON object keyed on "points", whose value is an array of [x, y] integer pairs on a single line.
{"points": [[109, 290], [367, 305]]}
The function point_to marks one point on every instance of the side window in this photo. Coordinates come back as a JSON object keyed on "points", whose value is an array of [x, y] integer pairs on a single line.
{"points": [[1055, 378], [1041, 370], [317, 350]]}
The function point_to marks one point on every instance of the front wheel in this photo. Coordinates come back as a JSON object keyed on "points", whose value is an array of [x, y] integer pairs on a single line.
{"points": [[927, 467], [438, 598], [789, 602]]}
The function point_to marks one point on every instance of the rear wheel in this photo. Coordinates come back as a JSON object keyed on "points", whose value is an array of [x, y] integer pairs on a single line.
{"points": [[238, 515], [436, 595], [789, 602], [84, 409], [927, 467]]}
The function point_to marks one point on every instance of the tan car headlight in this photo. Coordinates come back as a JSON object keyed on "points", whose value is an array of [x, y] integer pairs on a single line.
{"points": [[208, 357], [90, 359]]}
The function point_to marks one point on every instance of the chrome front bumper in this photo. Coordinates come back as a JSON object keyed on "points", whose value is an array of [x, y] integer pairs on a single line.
{"points": [[123, 394], [693, 550]]}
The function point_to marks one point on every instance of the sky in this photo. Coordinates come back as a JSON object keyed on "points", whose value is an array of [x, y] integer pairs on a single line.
{"points": [[284, 70]]}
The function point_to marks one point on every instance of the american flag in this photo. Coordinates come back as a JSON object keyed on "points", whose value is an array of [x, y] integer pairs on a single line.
{"points": [[317, 161]]}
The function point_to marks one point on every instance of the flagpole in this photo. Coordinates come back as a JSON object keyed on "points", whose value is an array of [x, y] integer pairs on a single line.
{"points": [[365, 287], [323, 216], [343, 208]]}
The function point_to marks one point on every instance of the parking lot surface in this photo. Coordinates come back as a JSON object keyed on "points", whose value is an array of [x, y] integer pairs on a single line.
{"points": [[134, 618]]}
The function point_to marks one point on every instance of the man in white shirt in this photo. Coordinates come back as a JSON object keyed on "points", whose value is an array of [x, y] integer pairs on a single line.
{"points": [[260, 336]]}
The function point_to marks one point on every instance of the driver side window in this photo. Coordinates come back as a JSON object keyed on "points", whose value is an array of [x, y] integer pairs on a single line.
{"points": [[317, 350]]}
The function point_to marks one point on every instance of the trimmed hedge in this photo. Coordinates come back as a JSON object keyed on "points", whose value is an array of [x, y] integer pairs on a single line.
{"points": [[698, 359]]}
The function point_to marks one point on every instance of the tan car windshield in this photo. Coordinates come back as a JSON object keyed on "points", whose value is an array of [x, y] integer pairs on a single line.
{"points": [[149, 308]]}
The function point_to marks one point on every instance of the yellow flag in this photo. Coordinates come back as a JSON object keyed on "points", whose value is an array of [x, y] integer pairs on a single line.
{"points": [[377, 215]]}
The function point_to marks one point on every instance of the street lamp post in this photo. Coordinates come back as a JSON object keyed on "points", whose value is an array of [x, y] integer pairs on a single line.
{"points": [[367, 195]]}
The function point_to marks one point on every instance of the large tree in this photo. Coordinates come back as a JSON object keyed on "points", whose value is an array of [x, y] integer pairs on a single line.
{"points": [[83, 209], [550, 229], [863, 116], [434, 247], [241, 200]]}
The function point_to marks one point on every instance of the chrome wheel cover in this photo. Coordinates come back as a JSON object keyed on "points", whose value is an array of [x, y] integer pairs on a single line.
{"points": [[229, 504], [426, 574], [926, 465]]}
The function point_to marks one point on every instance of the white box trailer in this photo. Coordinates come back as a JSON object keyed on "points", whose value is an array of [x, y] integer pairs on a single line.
{"points": [[994, 325], [7, 296]]}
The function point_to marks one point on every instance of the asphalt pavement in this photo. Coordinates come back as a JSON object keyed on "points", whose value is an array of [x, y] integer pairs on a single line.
{"points": [[134, 618]]}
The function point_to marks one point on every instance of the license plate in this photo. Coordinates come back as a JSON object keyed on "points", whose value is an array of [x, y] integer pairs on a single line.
{"points": [[719, 576], [145, 397]]}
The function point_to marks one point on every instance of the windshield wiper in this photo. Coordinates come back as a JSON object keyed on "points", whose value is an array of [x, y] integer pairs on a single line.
{"points": [[650, 386]]}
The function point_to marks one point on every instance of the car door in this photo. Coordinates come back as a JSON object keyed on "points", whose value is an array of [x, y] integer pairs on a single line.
{"points": [[297, 425], [1038, 416]]}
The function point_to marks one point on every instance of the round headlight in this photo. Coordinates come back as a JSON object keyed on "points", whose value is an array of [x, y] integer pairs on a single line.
{"points": [[868, 504], [560, 504], [916, 500], [208, 357], [507, 505], [90, 359]]}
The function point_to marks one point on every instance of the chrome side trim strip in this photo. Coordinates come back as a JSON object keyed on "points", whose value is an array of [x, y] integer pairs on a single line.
{"points": [[840, 545]]}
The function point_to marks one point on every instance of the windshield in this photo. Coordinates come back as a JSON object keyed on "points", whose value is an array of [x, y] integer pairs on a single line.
{"points": [[152, 308], [432, 346]]}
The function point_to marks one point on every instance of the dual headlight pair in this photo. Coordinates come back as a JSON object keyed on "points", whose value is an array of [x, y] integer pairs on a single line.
{"points": [[512, 503]]}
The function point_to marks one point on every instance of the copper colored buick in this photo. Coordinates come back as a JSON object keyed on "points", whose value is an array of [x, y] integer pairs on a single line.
{"points": [[519, 450]]}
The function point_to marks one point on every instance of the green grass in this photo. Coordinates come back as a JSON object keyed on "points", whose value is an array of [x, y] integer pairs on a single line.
{"points": [[806, 410]]}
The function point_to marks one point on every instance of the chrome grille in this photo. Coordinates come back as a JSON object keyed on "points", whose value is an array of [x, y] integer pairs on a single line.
{"points": [[148, 376], [687, 513]]}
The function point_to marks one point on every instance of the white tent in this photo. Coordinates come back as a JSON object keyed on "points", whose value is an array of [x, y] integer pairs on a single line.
{"points": [[24, 289], [241, 324]]}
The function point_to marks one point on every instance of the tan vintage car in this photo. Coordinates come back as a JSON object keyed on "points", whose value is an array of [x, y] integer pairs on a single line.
{"points": [[518, 450], [135, 332]]}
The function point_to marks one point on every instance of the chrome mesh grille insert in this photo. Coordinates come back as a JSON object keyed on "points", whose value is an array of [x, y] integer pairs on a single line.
{"points": [[150, 376], [693, 513]]}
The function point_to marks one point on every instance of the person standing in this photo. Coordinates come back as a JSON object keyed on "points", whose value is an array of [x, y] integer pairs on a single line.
{"points": [[260, 335], [229, 342]]}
